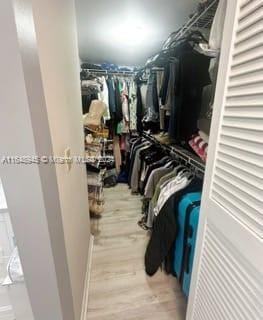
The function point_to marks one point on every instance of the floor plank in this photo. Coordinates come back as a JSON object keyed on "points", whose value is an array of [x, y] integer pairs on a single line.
{"points": [[119, 287]]}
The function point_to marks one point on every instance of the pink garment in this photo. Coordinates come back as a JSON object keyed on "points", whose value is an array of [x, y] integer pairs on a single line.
{"points": [[117, 153], [125, 102], [124, 142], [199, 146]]}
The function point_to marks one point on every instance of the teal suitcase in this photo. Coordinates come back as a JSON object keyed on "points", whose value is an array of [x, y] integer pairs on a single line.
{"points": [[188, 217]]}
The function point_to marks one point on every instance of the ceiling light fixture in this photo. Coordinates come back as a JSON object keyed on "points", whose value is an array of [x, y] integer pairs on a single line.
{"points": [[129, 34]]}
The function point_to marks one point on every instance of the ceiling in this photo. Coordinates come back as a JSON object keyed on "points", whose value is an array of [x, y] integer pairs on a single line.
{"points": [[127, 32]]}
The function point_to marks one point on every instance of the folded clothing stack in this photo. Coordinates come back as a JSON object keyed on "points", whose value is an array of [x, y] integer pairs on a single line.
{"points": [[92, 120], [199, 146]]}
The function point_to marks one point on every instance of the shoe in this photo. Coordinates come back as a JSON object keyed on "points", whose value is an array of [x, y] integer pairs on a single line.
{"points": [[95, 216]]}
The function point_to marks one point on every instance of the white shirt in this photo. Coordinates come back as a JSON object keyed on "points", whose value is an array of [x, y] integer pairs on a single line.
{"points": [[177, 184], [104, 96]]}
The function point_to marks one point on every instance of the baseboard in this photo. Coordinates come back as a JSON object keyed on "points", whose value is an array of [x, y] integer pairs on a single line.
{"points": [[84, 311]]}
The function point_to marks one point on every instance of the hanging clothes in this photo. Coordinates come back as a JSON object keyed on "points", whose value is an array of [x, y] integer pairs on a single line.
{"points": [[166, 183], [125, 101], [152, 102], [133, 105], [176, 184], [172, 89], [164, 231], [216, 32], [112, 97], [104, 96], [164, 180], [87, 98], [135, 174], [123, 125], [165, 83], [90, 90], [139, 107], [118, 113], [159, 80], [193, 76], [154, 178], [117, 153], [215, 40]]}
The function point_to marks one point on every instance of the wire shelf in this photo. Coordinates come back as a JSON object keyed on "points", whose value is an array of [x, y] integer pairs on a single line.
{"points": [[109, 72], [202, 19], [184, 155]]}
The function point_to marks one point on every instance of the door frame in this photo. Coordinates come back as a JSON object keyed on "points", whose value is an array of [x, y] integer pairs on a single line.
{"points": [[31, 190]]}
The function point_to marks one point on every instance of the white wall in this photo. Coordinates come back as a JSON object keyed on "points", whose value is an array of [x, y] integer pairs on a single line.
{"points": [[57, 44], [107, 29], [31, 190], [40, 105]]}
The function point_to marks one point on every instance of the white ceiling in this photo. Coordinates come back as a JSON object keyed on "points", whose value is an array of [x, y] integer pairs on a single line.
{"points": [[127, 32]]}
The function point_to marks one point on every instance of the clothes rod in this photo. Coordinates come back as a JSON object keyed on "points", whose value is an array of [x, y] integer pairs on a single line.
{"points": [[109, 72], [183, 155]]}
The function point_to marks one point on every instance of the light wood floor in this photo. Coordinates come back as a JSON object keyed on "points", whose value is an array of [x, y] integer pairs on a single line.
{"points": [[120, 288]]}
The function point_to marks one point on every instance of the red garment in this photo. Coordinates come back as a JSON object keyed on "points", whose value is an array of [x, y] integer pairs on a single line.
{"points": [[199, 146], [117, 153], [124, 142]]}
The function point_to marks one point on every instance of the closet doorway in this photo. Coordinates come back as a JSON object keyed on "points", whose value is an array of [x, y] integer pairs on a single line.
{"points": [[172, 114], [148, 74]]}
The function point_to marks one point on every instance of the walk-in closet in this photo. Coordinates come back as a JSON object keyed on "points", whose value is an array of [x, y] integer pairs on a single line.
{"points": [[176, 175], [131, 165]]}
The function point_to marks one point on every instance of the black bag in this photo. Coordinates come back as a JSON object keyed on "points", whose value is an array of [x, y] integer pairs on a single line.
{"points": [[110, 178]]}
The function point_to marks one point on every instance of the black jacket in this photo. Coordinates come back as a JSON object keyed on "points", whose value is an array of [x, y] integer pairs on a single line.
{"points": [[165, 230]]}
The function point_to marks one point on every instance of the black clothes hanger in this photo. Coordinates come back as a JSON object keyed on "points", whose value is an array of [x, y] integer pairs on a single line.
{"points": [[154, 155], [161, 58], [141, 76], [194, 36], [167, 42]]}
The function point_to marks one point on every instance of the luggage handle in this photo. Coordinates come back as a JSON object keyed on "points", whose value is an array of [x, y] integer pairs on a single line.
{"points": [[187, 259], [185, 267]]}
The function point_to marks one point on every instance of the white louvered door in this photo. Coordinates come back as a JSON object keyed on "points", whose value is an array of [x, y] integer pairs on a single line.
{"points": [[227, 279]]}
